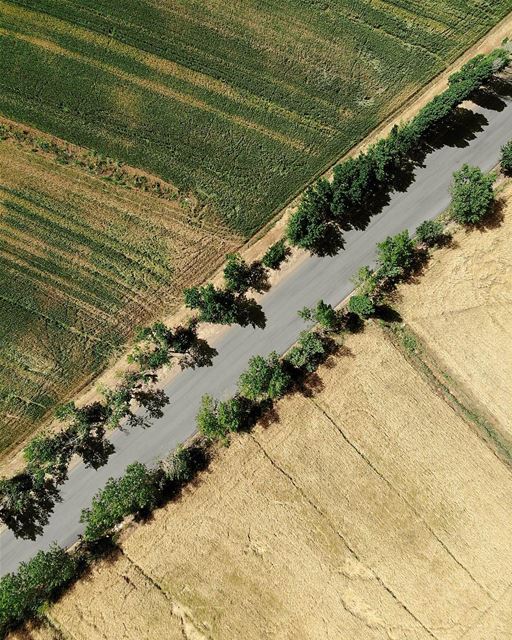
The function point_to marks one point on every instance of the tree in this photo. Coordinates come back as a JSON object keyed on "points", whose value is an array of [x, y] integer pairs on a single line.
{"points": [[366, 281], [312, 226], [472, 194], [26, 504], [135, 387], [158, 345], [179, 467], [275, 255], [48, 455], [362, 305], [134, 492], [324, 314], [217, 418], [506, 158], [353, 185], [430, 233], [240, 276], [264, 378], [221, 306], [308, 352], [23, 593], [396, 256]]}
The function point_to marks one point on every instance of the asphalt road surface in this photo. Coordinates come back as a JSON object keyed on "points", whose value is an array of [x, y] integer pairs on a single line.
{"points": [[314, 279]]}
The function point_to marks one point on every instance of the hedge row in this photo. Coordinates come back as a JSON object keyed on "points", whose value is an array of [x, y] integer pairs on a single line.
{"points": [[361, 185]]}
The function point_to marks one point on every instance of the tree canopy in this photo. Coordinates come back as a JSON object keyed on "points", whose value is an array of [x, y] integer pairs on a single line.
{"points": [[472, 194]]}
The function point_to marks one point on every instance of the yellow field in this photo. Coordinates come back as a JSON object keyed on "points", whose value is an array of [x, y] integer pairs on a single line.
{"points": [[82, 263], [370, 511], [462, 308]]}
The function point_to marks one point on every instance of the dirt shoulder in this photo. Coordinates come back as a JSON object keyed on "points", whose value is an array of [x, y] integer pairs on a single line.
{"points": [[257, 245]]}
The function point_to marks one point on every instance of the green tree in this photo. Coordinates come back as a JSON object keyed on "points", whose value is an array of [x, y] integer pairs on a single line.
{"points": [[324, 314], [158, 345], [179, 466], [366, 281], [308, 352], [362, 305], [430, 233], [264, 378], [275, 255], [216, 418], [240, 276], [134, 492], [396, 256], [312, 226], [86, 427], [48, 455], [221, 306], [23, 593], [506, 158], [134, 387], [472, 194], [26, 504]]}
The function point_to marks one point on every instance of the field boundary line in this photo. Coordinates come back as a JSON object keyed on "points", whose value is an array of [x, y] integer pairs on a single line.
{"points": [[335, 530], [399, 494]]}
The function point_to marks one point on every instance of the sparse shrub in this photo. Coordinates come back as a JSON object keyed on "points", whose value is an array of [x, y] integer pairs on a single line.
{"points": [[362, 305], [506, 158], [430, 233]]}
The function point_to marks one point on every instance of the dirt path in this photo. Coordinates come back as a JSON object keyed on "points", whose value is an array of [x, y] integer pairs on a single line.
{"points": [[257, 245]]}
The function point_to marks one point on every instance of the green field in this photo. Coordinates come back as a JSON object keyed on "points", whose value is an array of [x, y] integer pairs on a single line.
{"points": [[82, 262], [240, 102]]}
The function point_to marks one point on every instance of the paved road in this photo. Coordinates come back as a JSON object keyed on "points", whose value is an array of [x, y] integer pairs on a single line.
{"points": [[315, 278]]}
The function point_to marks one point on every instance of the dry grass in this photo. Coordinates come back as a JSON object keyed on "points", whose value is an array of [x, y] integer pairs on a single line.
{"points": [[461, 309], [371, 511]]}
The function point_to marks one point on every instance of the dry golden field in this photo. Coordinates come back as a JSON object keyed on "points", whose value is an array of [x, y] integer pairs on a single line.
{"points": [[368, 511], [82, 263], [462, 309]]}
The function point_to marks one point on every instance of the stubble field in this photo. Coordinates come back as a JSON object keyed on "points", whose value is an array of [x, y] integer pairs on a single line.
{"points": [[82, 263], [242, 102]]}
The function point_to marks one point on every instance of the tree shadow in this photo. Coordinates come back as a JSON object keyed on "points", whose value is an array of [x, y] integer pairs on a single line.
{"points": [[250, 313], [387, 313], [487, 98], [494, 219], [456, 130]]}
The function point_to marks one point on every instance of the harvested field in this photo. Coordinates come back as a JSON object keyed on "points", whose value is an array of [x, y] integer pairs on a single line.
{"points": [[461, 310], [82, 263], [371, 510], [241, 102]]}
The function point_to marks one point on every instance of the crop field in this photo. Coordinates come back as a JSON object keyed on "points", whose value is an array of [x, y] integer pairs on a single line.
{"points": [[379, 514], [82, 262], [471, 338], [241, 102]]}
